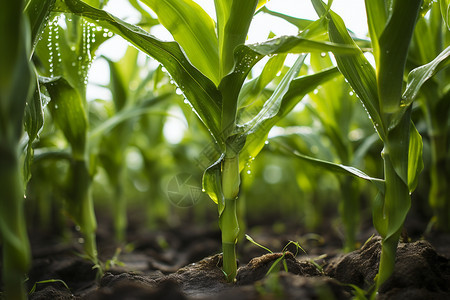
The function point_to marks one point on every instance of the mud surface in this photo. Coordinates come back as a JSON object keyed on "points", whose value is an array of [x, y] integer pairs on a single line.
{"points": [[184, 263]]}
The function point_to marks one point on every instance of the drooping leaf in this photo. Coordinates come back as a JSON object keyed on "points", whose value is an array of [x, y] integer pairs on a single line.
{"points": [[355, 68], [326, 165], [68, 111], [301, 24], [212, 183], [288, 93], [198, 89], [194, 30], [418, 76]]}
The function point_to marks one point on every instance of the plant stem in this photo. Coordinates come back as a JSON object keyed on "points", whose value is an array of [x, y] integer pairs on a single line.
{"points": [[83, 207], [228, 219], [439, 191], [349, 212], [13, 235], [396, 206]]}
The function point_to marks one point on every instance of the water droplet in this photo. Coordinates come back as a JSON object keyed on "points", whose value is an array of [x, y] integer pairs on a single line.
{"points": [[249, 172], [351, 93], [323, 54], [316, 91]]}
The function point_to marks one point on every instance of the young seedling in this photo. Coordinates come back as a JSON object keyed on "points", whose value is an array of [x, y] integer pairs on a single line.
{"points": [[209, 62]]}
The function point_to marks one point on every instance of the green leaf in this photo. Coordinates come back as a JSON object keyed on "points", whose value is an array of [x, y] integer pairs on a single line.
{"points": [[212, 183], [68, 111], [119, 89], [255, 86], [376, 19], [326, 165], [415, 160], [34, 114], [418, 76], [299, 44], [38, 12], [288, 93], [198, 89], [445, 11], [194, 30], [126, 114], [394, 44], [301, 24], [33, 122], [233, 21], [355, 68]]}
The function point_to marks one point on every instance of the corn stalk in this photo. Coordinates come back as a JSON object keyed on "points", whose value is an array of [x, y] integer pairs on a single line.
{"points": [[391, 27]]}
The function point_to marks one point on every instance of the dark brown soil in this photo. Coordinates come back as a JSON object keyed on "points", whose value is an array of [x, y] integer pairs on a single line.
{"points": [[184, 263]]}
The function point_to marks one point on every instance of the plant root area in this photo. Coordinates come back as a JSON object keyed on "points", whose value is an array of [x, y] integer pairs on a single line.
{"points": [[184, 262]]}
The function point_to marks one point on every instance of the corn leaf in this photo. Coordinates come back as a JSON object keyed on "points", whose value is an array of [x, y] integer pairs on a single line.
{"points": [[68, 111], [38, 12], [246, 56], [394, 43], [300, 44], [376, 19], [445, 11], [34, 114], [355, 68], [33, 122], [212, 183], [198, 89], [418, 76], [126, 114], [327, 165], [233, 22], [194, 30], [255, 86], [301, 24], [415, 160], [288, 93]]}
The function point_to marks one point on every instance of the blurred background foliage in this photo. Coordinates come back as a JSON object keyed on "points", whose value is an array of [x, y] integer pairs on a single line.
{"points": [[142, 136]]}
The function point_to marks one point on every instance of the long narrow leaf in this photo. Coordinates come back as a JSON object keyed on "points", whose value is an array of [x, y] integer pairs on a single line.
{"points": [[194, 30], [278, 106], [418, 76], [329, 166], [394, 44], [199, 90], [355, 68]]}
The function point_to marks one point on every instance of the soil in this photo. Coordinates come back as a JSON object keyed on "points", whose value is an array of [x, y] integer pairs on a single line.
{"points": [[184, 263]]}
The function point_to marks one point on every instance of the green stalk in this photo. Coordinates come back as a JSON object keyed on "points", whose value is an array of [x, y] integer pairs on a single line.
{"points": [[120, 211], [83, 207], [13, 235], [439, 191], [228, 220], [396, 199], [349, 212]]}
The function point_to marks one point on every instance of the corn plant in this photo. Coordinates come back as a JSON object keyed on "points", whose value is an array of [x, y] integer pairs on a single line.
{"points": [[391, 26], [20, 105], [209, 62], [428, 55]]}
